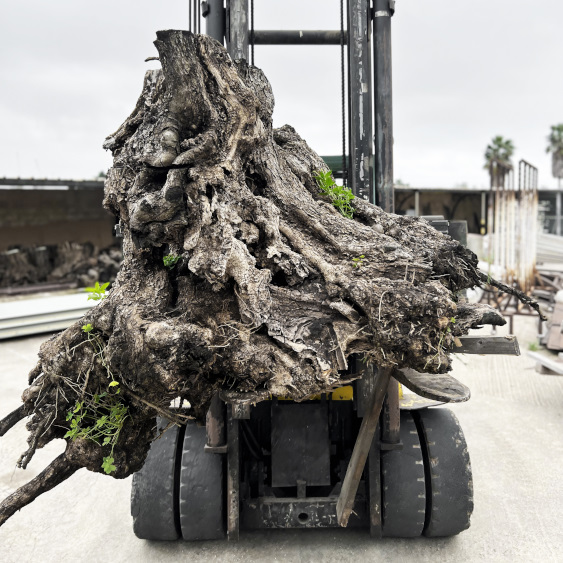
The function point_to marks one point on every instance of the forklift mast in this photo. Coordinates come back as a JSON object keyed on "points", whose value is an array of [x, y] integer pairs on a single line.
{"points": [[368, 46]]}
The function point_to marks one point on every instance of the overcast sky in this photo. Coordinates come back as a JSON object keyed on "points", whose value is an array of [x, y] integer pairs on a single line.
{"points": [[463, 72]]}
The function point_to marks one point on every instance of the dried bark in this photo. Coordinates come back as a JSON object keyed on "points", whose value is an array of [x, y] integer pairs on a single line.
{"points": [[266, 297]]}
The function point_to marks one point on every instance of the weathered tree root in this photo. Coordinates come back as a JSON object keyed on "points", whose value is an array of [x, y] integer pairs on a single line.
{"points": [[54, 474], [239, 276], [12, 419], [520, 295]]}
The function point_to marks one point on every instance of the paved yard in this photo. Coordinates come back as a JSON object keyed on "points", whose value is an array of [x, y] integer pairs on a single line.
{"points": [[513, 425]]}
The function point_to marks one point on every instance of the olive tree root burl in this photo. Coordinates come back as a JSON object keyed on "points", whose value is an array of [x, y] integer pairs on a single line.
{"points": [[239, 275]]}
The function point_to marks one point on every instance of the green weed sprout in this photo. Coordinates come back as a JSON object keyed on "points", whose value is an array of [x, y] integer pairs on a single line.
{"points": [[170, 260], [98, 291], [99, 417], [339, 196], [100, 421], [357, 262]]}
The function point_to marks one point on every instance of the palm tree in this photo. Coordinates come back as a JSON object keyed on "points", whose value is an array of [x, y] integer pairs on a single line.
{"points": [[555, 147], [501, 150]]}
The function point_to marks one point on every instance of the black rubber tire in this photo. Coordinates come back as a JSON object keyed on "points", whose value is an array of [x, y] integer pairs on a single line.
{"points": [[202, 502], [403, 491], [154, 504], [449, 484]]}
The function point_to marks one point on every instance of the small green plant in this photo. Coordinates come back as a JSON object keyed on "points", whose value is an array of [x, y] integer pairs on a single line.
{"points": [[98, 345], [100, 420], [357, 262], [99, 417], [533, 347], [339, 196], [170, 260], [98, 291]]}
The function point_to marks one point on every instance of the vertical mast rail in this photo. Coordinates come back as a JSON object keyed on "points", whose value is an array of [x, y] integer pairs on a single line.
{"points": [[383, 11], [238, 33], [359, 64], [214, 14]]}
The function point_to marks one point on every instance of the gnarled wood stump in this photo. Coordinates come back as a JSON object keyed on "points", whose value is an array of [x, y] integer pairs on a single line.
{"points": [[265, 296]]}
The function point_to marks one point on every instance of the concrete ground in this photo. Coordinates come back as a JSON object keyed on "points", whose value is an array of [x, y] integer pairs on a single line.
{"points": [[513, 425]]}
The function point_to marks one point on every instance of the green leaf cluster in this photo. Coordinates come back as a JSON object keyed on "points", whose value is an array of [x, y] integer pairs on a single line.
{"points": [[99, 417], [170, 260], [357, 262], [98, 291], [108, 465], [339, 196], [100, 421]]}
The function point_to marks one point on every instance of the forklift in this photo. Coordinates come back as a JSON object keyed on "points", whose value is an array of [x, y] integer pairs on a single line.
{"points": [[363, 455]]}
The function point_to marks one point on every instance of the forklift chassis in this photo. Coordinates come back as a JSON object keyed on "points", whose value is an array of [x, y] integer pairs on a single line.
{"points": [[283, 463]]}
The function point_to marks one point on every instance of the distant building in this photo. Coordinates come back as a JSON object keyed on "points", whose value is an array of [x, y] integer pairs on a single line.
{"points": [[43, 212], [470, 204]]}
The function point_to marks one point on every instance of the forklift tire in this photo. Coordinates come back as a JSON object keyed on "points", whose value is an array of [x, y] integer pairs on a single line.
{"points": [[403, 492], [153, 491], [202, 505], [449, 484]]}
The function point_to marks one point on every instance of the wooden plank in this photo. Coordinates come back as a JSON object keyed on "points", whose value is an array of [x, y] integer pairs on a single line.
{"points": [[364, 388], [488, 345], [362, 447], [374, 489], [436, 386]]}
